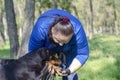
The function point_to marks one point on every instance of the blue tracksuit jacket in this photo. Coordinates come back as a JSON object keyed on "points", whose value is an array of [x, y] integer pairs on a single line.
{"points": [[76, 48]]}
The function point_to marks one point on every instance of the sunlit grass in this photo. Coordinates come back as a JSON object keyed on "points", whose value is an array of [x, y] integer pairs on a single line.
{"points": [[99, 69], [104, 62]]}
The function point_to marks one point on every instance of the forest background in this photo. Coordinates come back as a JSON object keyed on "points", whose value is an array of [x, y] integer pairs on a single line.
{"points": [[100, 19]]}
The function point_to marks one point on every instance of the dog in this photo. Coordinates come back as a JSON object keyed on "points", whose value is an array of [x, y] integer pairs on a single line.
{"points": [[34, 65]]}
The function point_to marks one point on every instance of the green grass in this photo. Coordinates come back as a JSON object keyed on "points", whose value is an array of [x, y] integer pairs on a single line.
{"points": [[104, 60], [4, 50]]}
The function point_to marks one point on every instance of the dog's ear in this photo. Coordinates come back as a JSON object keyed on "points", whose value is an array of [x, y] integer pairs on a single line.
{"points": [[46, 53], [43, 52]]}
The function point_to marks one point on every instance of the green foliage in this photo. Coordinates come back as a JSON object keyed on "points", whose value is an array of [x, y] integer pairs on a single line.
{"points": [[65, 5], [45, 3]]}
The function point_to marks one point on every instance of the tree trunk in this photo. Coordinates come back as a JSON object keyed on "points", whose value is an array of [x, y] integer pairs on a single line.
{"points": [[115, 19], [20, 6], [91, 21], [1, 23], [27, 27], [54, 4], [86, 21], [12, 27]]}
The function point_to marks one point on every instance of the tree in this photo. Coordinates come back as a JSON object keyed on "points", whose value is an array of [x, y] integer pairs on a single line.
{"points": [[12, 27], [91, 20], [115, 18], [1, 22], [27, 27]]}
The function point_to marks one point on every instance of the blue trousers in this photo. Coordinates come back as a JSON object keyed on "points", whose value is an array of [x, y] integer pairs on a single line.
{"points": [[71, 77]]}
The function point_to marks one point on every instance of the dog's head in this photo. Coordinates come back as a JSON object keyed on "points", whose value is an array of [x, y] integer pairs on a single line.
{"points": [[45, 53]]}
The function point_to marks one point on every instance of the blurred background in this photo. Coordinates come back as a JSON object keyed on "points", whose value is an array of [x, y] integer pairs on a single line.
{"points": [[100, 20]]}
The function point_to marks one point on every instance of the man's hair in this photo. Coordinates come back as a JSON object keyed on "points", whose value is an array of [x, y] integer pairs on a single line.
{"points": [[62, 25]]}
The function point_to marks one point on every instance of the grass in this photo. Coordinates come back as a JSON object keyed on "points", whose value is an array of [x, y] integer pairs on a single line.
{"points": [[103, 63], [4, 50]]}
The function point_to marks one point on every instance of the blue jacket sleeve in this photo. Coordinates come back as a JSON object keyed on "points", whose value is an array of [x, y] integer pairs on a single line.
{"points": [[82, 45]]}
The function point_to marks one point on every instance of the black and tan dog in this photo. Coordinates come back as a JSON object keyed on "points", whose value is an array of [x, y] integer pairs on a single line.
{"points": [[32, 66]]}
